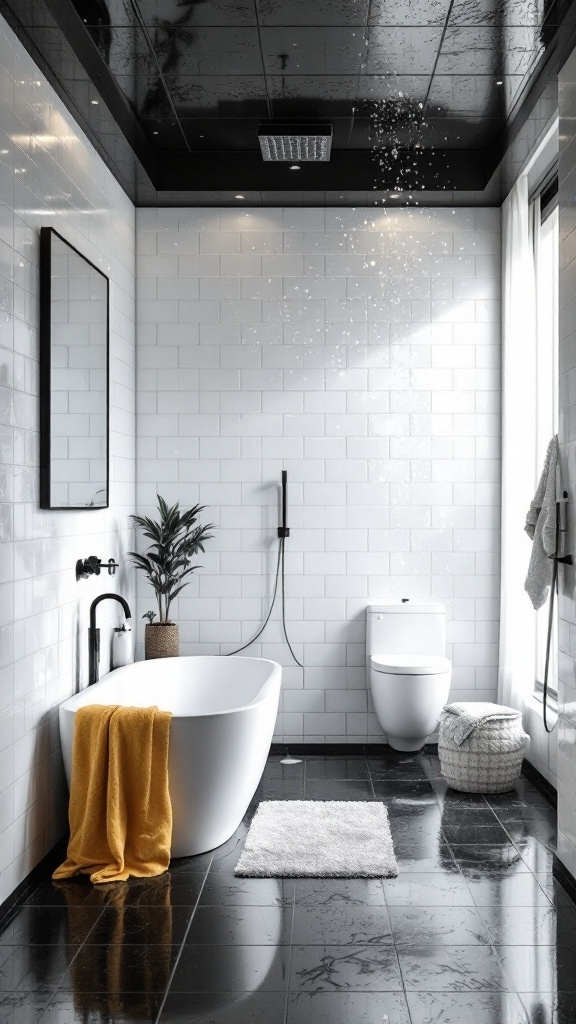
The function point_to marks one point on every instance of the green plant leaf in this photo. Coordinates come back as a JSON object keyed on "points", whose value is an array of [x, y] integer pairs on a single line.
{"points": [[176, 537]]}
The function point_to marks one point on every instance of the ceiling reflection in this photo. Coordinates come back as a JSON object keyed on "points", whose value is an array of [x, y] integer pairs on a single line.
{"points": [[192, 79], [186, 60]]}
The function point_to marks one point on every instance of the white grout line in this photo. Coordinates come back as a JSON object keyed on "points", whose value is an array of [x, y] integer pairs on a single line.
{"points": [[177, 961]]}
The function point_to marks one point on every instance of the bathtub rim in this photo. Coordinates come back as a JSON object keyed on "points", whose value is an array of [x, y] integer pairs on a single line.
{"points": [[69, 705]]}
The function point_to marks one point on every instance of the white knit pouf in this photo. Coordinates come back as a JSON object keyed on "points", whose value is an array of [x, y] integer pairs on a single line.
{"points": [[490, 758]]}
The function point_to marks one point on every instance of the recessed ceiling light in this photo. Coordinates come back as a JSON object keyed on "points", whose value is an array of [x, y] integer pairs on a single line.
{"points": [[499, 82], [238, 197], [294, 167]]}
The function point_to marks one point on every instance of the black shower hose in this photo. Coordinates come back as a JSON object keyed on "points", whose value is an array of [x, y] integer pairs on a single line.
{"points": [[279, 575]]}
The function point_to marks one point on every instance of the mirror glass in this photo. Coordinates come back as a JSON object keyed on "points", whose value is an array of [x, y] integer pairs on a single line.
{"points": [[74, 377]]}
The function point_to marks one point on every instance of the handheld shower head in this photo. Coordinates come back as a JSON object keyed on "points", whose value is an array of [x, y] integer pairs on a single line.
{"points": [[283, 530]]}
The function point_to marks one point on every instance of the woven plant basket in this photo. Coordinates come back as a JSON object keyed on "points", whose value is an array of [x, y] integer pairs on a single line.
{"points": [[161, 640], [488, 761]]}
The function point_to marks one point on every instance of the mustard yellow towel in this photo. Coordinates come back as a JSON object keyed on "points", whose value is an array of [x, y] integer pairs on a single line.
{"points": [[120, 811]]}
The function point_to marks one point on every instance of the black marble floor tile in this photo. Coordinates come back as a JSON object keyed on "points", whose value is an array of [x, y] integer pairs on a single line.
{"points": [[399, 759], [276, 789], [336, 789], [427, 890], [505, 859], [549, 968], [525, 813], [327, 894], [535, 854], [419, 836], [141, 925], [401, 795], [75, 892], [347, 1008], [453, 798], [190, 865], [36, 968], [422, 858], [220, 891], [40, 925], [349, 768], [176, 890], [475, 816], [521, 890], [224, 1008], [276, 770], [522, 831], [480, 928], [225, 858], [436, 968], [103, 1008], [241, 926], [126, 968], [455, 926], [341, 925], [467, 834], [408, 769], [391, 774], [231, 969], [346, 968], [23, 1007], [521, 926], [524, 793], [423, 822], [468, 1008]]}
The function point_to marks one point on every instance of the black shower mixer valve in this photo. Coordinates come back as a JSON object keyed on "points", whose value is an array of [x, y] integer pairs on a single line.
{"points": [[92, 566]]}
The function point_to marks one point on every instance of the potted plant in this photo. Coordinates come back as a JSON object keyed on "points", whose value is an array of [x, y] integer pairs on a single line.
{"points": [[176, 537]]}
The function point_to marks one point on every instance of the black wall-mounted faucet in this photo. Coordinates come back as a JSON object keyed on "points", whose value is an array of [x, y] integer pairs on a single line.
{"points": [[94, 634]]}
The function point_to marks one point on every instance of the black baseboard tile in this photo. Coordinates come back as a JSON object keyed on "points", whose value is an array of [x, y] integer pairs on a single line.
{"points": [[345, 749], [319, 749], [565, 877], [540, 782], [43, 869]]}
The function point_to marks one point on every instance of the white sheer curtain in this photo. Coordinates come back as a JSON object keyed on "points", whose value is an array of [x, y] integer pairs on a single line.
{"points": [[517, 620]]}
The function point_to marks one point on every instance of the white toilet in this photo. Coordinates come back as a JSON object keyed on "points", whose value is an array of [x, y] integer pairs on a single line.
{"points": [[407, 668]]}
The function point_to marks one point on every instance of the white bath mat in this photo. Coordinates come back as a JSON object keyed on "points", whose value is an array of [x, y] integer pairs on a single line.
{"points": [[318, 839]]}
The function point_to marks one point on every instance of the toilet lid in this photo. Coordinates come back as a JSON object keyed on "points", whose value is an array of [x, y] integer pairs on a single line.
{"points": [[410, 664]]}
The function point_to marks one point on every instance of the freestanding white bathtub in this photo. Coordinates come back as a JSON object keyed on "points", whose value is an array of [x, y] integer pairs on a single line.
{"points": [[224, 711]]}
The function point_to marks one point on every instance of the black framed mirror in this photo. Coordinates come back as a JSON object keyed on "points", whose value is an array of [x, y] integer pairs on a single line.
{"points": [[74, 377]]}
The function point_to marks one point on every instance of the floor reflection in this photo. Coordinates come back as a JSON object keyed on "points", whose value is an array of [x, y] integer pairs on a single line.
{"points": [[124, 966], [475, 930]]}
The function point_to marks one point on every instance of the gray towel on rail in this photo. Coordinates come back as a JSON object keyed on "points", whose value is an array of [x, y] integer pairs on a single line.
{"points": [[468, 715], [541, 528]]}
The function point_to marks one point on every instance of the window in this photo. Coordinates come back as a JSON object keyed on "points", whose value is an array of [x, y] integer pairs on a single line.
{"points": [[546, 245]]}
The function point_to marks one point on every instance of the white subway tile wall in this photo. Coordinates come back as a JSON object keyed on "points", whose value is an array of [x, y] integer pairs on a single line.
{"points": [[566, 783], [360, 351], [50, 175]]}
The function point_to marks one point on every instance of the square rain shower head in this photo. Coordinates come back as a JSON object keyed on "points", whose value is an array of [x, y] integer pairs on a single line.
{"points": [[295, 142]]}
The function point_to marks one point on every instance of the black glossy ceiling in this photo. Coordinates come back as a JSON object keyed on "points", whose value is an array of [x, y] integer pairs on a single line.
{"points": [[422, 94]]}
